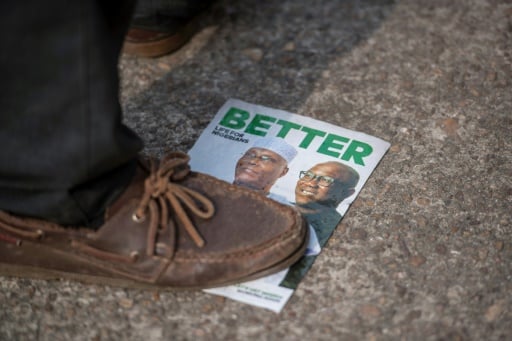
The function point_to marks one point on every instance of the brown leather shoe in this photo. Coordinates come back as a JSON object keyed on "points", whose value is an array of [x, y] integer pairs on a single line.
{"points": [[151, 44], [171, 229]]}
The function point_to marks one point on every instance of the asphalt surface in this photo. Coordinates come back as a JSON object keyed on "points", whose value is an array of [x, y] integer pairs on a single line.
{"points": [[425, 251]]}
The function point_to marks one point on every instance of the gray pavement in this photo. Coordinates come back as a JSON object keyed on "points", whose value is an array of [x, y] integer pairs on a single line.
{"points": [[424, 253]]}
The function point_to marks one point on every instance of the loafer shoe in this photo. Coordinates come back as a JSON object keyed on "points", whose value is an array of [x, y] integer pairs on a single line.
{"points": [[150, 43], [171, 228]]}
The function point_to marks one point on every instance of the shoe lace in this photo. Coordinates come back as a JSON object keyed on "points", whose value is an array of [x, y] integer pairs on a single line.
{"points": [[162, 191]]}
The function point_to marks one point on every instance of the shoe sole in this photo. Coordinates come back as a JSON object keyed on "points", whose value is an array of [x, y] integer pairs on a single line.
{"points": [[49, 274]]}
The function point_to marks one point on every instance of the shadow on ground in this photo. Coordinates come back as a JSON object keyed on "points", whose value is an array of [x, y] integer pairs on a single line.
{"points": [[266, 52]]}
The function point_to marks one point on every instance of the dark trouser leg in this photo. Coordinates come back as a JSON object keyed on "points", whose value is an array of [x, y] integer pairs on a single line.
{"points": [[166, 15], [64, 153]]}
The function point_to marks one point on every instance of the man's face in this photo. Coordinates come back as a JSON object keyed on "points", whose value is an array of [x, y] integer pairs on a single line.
{"points": [[259, 168], [323, 184]]}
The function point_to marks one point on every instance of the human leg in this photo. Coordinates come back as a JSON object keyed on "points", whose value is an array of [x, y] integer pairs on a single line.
{"points": [[70, 160], [65, 152]]}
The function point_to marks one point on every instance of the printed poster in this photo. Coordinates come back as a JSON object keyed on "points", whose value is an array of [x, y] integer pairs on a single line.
{"points": [[316, 167]]}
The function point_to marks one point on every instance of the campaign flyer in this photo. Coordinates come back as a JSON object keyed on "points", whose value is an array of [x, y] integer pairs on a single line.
{"points": [[316, 167]]}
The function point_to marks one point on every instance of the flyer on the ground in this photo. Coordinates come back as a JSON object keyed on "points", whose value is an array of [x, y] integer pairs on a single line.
{"points": [[314, 166]]}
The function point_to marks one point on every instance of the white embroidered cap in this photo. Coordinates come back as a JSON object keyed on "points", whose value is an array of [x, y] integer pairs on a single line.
{"points": [[278, 146]]}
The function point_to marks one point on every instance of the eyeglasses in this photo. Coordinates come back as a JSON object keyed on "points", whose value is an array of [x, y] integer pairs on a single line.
{"points": [[263, 158], [324, 181]]}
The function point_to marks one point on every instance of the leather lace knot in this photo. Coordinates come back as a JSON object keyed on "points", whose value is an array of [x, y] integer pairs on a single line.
{"points": [[161, 192]]}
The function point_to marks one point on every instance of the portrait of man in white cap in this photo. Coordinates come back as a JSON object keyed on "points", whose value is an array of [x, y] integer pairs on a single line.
{"points": [[263, 164]]}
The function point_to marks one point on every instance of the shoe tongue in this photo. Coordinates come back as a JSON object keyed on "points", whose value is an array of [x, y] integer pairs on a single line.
{"points": [[134, 190]]}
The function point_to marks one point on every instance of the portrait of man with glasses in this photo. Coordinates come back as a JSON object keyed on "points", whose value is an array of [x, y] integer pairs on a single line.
{"points": [[318, 192], [324, 186]]}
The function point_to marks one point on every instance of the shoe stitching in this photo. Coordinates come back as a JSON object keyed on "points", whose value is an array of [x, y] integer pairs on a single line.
{"points": [[35, 229], [130, 259], [10, 239]]}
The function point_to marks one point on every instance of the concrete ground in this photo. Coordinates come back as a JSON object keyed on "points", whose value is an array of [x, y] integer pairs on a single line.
{"points": [[425, 251]]}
